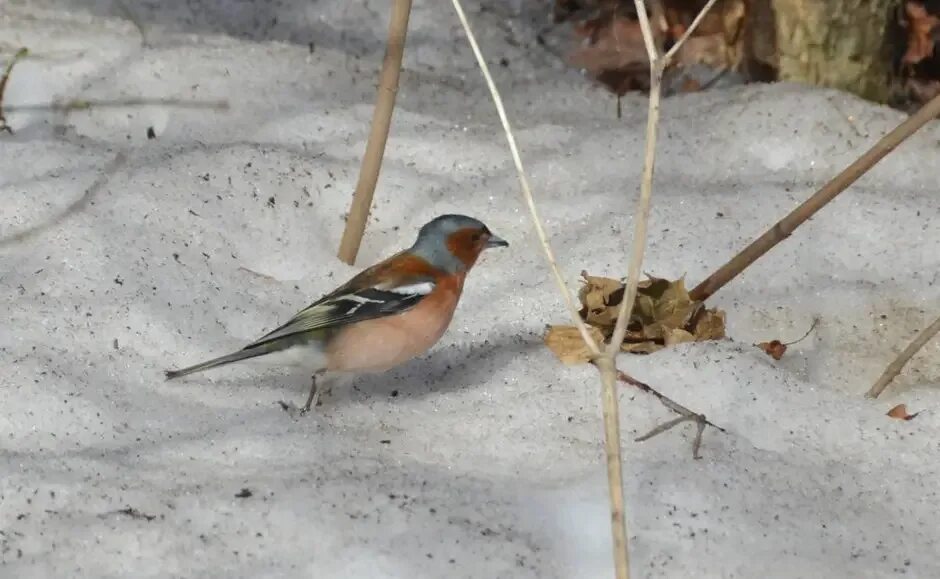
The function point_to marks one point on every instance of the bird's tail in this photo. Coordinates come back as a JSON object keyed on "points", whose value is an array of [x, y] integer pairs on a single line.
{"points": [[215, 362]]}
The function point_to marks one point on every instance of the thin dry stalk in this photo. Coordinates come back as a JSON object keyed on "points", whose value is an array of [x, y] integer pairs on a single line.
{"points": [[783, 228], [378, 135], [667, 58], [658, 64], [895, 367], [524, 184]]}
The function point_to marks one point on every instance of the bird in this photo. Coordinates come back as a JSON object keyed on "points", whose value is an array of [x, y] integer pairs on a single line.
{"points": [[386, 315]]}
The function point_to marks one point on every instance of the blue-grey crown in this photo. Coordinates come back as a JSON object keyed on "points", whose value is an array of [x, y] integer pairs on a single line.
{"points": [[432, 240], [444, 225]]}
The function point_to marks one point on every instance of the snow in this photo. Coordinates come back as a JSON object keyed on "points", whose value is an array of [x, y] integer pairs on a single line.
{"points": [[484, 457]]}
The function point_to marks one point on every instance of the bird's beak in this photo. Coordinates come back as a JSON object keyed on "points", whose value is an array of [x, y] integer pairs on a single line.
{"points": [[495, 241]]}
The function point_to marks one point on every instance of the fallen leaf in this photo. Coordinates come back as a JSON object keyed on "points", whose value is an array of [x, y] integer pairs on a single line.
{"points": [[568, 345], [717, 42], [674, 307], [663, 315], [920, 25], [774, 348], [613, 52], [709, 325], [600, 298], [641, 347], [678, 336], [900, 412]]}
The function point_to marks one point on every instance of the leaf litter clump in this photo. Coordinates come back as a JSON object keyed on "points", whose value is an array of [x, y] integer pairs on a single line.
{"points": [[663, 315]]}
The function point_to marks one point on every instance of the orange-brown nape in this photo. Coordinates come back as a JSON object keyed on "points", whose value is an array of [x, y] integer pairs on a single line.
{"points": [[467, 243]]}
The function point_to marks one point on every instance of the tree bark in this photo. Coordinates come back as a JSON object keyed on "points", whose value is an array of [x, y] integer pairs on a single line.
{"points": [[840, 44]]}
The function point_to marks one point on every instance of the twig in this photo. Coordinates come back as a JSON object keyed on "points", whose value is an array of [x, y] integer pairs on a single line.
{"points": [[895, 367], [685, 415], [3, 86], [378, 135], [73, 207], [783, 228], [85, 104]]}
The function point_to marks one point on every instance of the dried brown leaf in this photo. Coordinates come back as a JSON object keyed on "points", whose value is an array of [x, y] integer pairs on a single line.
{"points": [[774, 348], [900, 412], [568, 345], [678, 336], [674, 307], [717, 40], [920, 25], [641, 347], [663, 313], [710, 325], [612, 42], [600, 298]]}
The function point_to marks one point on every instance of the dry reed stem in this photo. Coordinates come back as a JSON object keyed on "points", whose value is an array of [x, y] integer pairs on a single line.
{"points": [[785, 227], [378, 134], [895, 367]]}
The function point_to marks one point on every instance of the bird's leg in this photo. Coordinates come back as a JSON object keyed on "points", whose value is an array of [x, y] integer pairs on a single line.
{"points": [[315, 388]]}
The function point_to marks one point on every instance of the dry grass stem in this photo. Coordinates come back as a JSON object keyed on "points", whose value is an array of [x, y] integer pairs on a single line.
{"points": [[378, 134], [895, 367], [524, 184], [806, 335]]}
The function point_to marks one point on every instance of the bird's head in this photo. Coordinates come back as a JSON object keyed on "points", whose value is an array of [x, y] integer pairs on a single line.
{"points": [[454, 242]]}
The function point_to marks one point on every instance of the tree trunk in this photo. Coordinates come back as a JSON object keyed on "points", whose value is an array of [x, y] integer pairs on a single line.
{"points": [[836, 43]]}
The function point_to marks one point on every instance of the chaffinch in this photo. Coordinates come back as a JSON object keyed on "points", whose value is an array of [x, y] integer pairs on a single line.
{"points": [[382, 317]]}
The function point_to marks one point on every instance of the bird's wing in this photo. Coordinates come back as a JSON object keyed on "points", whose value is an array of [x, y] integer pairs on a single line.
{"points": [[362, 298]]}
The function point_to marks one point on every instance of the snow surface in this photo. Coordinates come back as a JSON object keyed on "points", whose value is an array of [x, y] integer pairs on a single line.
{"points": [[484, 457]]}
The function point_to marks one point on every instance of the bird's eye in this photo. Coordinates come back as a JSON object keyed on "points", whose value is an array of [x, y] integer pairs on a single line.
{"points": [[477, 236]]}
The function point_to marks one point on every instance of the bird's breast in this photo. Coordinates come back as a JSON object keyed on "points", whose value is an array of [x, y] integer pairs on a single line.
{"points": [[383, 343]]}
